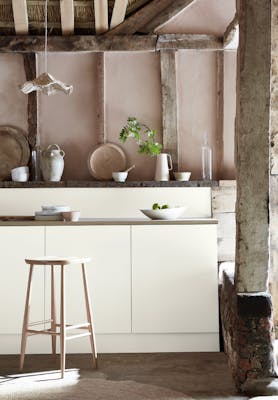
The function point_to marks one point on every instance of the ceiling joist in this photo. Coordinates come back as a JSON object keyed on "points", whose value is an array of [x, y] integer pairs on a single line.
{"points": [[20, 17], [119, 12], [101, 16], [67, 16], [140, 18]]}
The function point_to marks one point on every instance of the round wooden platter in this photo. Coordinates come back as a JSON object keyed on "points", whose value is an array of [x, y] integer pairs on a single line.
{"points": [[14, 150], [106, 159]]}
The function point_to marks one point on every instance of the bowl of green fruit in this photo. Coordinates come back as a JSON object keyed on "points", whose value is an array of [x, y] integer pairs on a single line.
{"points": [[163, 211]]}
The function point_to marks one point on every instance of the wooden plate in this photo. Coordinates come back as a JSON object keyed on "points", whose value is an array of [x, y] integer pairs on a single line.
{"points": [[14, 150], [106, 159]]}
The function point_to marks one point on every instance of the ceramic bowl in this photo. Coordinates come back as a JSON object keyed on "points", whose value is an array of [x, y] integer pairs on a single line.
{"points": [[20, 174], [71, 215], [119, 176], [182, 176], [166, 213]]}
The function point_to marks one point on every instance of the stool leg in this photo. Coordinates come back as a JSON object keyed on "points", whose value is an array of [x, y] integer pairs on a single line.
{"points": [[26, 319], [89, 315], [62, 324], [53, 311]]}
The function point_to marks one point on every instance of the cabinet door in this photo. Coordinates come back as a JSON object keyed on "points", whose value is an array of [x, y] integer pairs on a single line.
{"points": [[174, 279], [16, 244], [108, 273]]}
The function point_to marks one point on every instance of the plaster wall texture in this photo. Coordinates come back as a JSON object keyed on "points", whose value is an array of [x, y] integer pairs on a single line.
{"points": [[202, 16]]}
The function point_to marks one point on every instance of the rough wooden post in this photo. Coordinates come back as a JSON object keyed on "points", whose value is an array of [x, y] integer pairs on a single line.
{"points": [[169, 104], [101, 133], [220, 111], [30, 66], [274, 165], [252, 143]]}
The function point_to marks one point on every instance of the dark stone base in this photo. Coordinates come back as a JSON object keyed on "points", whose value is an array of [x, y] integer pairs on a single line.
{"points": [[248, 333]]}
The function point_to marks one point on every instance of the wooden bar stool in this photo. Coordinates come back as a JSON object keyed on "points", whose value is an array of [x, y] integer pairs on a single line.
{"points": [[63, 327]]}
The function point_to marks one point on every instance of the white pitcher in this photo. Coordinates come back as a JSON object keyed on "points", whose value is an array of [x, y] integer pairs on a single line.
{"points": [[52, 163], [163, 166]]}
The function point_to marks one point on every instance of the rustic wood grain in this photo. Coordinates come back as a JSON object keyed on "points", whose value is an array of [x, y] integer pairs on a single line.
{"points": [[169, 104], [252, 143], [188, 41], [28, 44], [101, 119], [30, 67], [166, 15], [219, 112]]}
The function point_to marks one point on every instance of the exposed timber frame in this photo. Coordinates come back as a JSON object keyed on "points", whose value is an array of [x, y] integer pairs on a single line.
{"points": [[101, 16], [67, 16], [101, 114], [219, 112], [74, 43], [20, 17], [169, 104], [118, 14], [30, 67]]}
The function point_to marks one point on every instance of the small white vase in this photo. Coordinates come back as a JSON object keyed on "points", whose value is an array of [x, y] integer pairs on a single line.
{"points": [[52, 163], [163, 166]]}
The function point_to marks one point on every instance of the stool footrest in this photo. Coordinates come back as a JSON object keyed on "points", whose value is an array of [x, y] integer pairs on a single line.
{"points": [[84, 325], [42, 332], [44, 321]]}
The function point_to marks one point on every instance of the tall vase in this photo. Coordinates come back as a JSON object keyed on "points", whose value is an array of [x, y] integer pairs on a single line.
{"points": [[52, 163], [163, 166]]}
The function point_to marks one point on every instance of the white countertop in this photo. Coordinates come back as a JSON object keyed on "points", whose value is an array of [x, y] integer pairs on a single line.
{"points": [[111, 221]]}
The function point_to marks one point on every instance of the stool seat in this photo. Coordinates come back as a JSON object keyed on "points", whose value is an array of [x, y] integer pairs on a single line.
{"points": [[57, 260], [58, 329]]}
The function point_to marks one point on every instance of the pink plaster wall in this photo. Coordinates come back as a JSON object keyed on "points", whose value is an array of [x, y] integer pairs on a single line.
{"points": [[13, 104], [70, 121], [203, 16], [133, 89], [196, 107]]}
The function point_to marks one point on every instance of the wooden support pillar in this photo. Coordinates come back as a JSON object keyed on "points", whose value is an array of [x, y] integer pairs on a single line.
{"points": [[30, 66], [273, 198], [219, 111], [252, 145], [101, 120], [169, 104]]}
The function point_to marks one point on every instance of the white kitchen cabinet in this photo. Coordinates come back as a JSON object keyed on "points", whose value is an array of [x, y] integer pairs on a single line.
{"points": [[108, 273], [16, 244], [174, 279]]}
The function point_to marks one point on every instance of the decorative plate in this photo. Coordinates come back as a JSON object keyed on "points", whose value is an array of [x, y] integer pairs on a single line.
{"points": [[106, 159], [14, 150]]}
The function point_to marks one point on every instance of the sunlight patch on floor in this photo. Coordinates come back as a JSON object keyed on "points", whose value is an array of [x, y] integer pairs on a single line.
{"points": [[42, 381]]}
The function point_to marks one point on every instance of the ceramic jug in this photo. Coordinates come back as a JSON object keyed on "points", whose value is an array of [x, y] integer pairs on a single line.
{"points": [[163, 166], [52, 163]]}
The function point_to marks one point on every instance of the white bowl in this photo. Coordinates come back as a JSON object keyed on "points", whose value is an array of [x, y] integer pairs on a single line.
{"points": [[119, 176], [52, 209], [165, 213], [182, 176], [20, 174]]}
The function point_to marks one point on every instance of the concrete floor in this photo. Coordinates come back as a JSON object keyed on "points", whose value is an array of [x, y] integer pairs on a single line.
{"points": [[164, 376]]}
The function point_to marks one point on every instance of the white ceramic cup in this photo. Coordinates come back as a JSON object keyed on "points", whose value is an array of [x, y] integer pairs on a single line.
{"points": [[119, 176], [182, 176], [71, 215], [20, 174]]}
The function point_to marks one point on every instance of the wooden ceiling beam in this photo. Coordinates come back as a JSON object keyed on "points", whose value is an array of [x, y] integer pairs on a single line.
{"points": [[118, 14], [75, 43], [101, 16], [140, 18], [67, 16], [172, 11], [20, 17]]}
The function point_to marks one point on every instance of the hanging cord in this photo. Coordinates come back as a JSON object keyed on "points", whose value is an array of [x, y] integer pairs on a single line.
{"points": [[45, 37]]}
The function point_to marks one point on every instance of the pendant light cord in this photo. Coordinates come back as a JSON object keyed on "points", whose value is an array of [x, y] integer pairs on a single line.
{"points": [[45, 37]]}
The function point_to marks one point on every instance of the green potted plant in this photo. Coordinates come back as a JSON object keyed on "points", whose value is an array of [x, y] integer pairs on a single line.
{"points": [[135, 129]]}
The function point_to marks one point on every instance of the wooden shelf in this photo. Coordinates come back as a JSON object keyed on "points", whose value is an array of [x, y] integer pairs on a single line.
{"points": [[106, 184]]}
